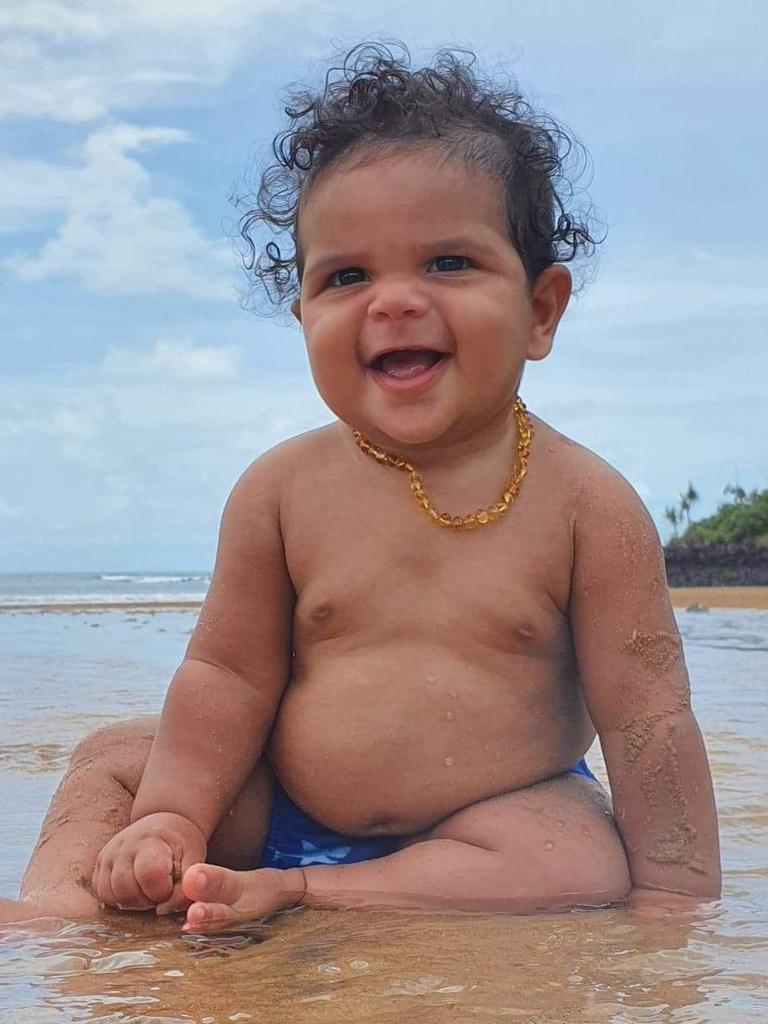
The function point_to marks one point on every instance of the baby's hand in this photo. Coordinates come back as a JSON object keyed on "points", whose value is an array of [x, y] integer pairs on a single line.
{"points": [[142, 866]]}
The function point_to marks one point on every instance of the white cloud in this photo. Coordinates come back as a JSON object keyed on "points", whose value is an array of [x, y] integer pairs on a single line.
{"points": [[644, 288], [116, 237], [77, 60], [176, 359], [144, 447]]}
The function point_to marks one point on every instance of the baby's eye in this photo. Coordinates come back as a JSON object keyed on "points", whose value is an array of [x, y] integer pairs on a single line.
{"points": [[349, 275], [450, 263]]}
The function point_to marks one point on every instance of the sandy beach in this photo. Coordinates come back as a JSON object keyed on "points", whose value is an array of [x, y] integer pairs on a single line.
{"points": [[721, 597], [682, 597]]}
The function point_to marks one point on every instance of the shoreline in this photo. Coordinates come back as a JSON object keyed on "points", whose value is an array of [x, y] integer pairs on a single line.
{"points": [[755, 598]]}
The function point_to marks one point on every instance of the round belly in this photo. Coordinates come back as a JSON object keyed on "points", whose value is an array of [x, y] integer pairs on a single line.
{"points": [[367, 752]]}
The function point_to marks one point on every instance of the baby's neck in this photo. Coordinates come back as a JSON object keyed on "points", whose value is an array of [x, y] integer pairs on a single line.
{"points": [[493, 440]]}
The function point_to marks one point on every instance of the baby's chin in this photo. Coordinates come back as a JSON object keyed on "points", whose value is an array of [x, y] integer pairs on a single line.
{"points": [[406, 436]]}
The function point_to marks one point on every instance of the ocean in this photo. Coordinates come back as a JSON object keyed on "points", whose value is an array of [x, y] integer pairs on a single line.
{"points": [[67, 672], [123, 588]]}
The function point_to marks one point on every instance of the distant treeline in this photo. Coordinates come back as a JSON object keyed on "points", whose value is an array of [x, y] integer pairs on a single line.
{"points": [[729, 548], [744, 518]]}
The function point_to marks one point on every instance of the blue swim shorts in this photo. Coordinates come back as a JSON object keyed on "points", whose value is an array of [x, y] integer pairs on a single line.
{"points": [[294, 840]]}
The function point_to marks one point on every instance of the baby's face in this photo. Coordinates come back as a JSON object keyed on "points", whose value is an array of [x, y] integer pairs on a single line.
{"points": [[415, 306]]}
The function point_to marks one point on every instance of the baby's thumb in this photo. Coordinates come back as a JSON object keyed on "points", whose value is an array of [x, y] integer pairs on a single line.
{"points": [[193, 853], [152, 868]]}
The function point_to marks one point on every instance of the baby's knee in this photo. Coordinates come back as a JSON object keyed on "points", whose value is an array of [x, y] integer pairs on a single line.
{"points": [[121, 748]]}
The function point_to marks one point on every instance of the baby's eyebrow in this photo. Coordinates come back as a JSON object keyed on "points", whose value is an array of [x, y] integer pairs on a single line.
{"points": [[334, 259], [454, 246]]}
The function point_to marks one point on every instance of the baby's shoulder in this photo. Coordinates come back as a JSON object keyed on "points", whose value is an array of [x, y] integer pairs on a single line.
{"points": [[594, 487], [281, 465]]}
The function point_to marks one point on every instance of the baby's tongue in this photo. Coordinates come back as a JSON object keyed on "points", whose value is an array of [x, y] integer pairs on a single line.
{"points": [[409, 362]]}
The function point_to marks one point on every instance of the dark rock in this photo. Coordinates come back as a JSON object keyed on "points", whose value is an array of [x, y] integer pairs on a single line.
{"points": [[743, 564]]}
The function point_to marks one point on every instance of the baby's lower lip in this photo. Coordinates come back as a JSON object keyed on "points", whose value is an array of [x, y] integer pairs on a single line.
{"points": [[401, 385]]}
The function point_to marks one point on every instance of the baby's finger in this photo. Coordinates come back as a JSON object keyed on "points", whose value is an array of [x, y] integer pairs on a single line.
{"points": [[153, 870], [100, 883], [192, 854], [128, 894]]}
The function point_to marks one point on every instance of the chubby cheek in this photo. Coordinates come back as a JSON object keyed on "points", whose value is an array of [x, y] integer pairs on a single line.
{"points": [[335, 371], [491, 351]]}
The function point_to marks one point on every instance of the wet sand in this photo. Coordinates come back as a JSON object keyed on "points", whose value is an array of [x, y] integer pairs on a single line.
{"points": [[721, 597], [91, 607], [61, 676], [682, 597]]}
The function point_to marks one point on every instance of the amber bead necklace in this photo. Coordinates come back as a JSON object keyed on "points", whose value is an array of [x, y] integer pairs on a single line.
{"points": [[482, 516]]}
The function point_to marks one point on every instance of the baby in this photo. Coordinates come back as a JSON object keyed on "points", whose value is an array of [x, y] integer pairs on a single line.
{"points": [[421, 613]]}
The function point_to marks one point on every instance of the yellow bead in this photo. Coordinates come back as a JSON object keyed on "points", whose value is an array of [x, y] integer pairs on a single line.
{"points": [[444, 519], [482, 516]]}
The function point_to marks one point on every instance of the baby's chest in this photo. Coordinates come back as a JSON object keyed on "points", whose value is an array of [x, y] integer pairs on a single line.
{"points": [[442, 589]]}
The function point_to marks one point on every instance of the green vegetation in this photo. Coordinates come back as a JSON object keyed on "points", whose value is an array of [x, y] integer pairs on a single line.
{"points": [[743, 518], [675, 514]]}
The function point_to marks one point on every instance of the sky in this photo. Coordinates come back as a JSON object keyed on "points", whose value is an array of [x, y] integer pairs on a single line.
{"points": [[134, 385]]}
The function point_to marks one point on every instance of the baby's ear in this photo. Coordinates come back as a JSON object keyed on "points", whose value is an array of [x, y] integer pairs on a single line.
{"points": [[549, 297], [296, 309]]}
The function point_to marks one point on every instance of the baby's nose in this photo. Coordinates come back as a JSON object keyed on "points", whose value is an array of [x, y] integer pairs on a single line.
{"points": [[396, 299]]}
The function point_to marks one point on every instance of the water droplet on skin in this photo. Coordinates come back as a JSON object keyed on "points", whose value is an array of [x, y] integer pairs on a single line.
{"points": [[549, 845], [450, 762], [431, 679], [450, 715]]}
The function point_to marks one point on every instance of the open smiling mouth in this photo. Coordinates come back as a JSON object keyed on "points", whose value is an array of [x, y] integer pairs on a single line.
{"points": [[407, 364]]}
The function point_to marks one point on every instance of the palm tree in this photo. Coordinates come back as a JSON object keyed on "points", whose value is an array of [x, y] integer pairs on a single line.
{"points": [[689, 498], [738, 494], [670, 514]]}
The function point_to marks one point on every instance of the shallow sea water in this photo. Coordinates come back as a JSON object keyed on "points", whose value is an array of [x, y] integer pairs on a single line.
{"points": [[63, 674]]}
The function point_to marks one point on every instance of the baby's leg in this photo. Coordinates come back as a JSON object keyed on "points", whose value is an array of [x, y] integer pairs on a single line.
{"points": [[547, 847], [94, 802]]}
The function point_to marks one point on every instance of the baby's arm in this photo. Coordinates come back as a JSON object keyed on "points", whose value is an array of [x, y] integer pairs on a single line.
{"points": [[220, 704], [636, 686]]}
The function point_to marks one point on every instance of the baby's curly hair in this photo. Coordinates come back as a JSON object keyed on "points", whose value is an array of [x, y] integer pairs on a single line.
{"points": [[376, 100]]}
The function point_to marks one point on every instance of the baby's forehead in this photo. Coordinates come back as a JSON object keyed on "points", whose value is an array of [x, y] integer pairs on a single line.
{"points": [[407, 186]]}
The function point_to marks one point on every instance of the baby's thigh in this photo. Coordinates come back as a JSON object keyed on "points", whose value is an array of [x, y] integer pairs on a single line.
{"points": [[558, 836]]}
